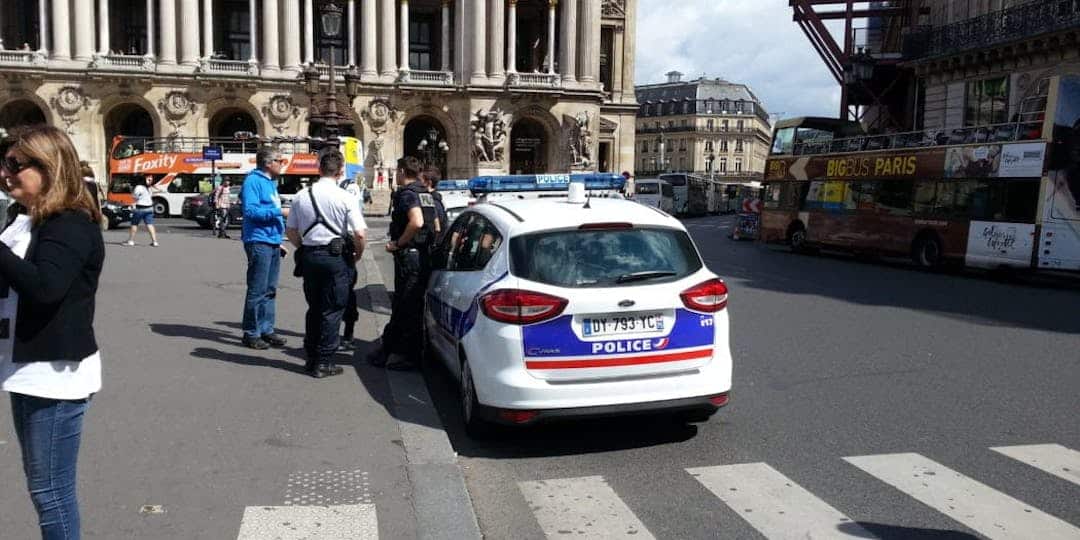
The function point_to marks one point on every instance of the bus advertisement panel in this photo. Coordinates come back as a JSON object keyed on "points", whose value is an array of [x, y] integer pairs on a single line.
{"points": [[1060, 235]]}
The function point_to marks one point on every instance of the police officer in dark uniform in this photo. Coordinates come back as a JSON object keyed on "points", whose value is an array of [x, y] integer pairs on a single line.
{"points": [[412, 233], [431, 177]]}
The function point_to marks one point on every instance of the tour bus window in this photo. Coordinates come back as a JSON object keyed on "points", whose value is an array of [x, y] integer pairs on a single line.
{"points": [[121, 183], [925, 197], [1021, 201], [783, 141], [648, 188], [666, 190], [894, 197], [987, 201], [183, 183], [772, 195]]}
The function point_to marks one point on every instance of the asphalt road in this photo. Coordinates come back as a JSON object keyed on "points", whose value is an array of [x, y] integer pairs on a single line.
{"points": [[834, 358]]}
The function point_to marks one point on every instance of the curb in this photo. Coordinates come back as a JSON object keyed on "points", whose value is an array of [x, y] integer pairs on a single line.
{"points": [[441, 501]]}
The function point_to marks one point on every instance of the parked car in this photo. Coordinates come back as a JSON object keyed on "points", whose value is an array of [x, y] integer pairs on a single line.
{"points": [[115, 214], [198, 208]]}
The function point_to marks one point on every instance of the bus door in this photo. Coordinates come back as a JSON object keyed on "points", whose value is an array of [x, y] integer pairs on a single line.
{"points": [[1059, 242]]}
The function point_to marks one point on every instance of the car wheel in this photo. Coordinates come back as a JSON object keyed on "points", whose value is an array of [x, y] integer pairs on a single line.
{"points": [[161, 208], [927, 252], [475, 426]]}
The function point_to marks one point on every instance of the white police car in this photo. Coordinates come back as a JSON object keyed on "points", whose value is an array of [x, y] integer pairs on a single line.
{"points": [[456, 196], [558, 307]]}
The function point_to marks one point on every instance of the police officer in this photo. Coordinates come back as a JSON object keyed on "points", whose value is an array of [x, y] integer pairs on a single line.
{"points": [[352, 312], [412, 231], [431, 176], [319, 225]]}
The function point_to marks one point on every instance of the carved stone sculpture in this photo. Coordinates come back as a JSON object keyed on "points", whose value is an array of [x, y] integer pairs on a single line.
{"points": [[490, 134], [176, 107], [579, 139], [67, 102]]}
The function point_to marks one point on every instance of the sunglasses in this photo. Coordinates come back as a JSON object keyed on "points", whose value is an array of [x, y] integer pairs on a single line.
{"points": [[13, 167]]}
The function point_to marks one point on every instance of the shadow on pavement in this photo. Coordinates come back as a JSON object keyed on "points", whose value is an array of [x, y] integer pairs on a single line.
{"points": [[893, 532], [238, 327], [982, 298], [247, 360], [573, 437], [196, 332]]}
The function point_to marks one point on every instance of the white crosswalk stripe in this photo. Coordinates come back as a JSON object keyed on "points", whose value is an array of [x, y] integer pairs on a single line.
{"points": [[775, 505], [583, 507], [1052, 458], [352, 521], [976, 505]]}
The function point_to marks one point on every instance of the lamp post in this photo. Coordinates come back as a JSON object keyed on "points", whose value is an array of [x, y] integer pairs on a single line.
{"points": [[327, 117], [432, 148]]}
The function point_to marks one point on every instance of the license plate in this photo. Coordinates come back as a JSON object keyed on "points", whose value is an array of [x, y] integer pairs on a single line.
{"points": [[622, 324]]}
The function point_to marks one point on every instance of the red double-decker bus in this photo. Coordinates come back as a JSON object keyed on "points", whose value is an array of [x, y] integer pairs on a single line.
{"points": [[1005, 195]]}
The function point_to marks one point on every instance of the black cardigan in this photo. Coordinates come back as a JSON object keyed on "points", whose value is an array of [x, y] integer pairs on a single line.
{"points": [[57, 284]]}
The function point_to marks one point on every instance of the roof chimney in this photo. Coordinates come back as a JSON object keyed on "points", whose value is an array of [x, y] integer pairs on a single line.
{"points": [[674, 76]]}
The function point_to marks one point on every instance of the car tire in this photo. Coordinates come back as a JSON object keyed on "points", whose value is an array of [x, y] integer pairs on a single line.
{"points": [[927, 252], [161, 208], [475, 427]]}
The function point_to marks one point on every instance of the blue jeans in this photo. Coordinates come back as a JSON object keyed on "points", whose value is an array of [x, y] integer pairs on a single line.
{"points": [[49, 432], [264, 261]]}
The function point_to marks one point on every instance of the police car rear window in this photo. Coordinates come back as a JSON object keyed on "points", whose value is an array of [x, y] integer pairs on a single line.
{"points": [[604, 258]]}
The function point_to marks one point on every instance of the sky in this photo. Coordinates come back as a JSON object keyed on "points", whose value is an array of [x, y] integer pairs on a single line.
{"points": [[753, 42]]}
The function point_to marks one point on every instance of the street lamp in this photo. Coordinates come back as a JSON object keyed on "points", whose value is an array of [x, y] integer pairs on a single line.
{"points": [[327, 117], [432, 148]]}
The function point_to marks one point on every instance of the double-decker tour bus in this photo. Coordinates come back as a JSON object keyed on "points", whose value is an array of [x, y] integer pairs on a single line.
{"points": [[1004, 195], [179, 170], [693, 195]]}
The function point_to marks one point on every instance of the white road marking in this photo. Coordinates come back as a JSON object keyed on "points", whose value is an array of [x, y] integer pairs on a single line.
{"points": [[774, 505], [976, 505], [583, 507], [356, 521], [1052, 458]]}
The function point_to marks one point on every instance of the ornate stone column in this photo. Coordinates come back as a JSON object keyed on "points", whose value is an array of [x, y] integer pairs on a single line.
{"points": [[628, 51], [388, 45], [61, 31], [189, 32], [350, 35], [309, 32], [369, 22], [511, 37], [568, 56], [552, 4], [403, 36], [291, 12], [43, 29], [84, 30], [150, 18], [104, 37], [444, 47], [496, 37], [167, 20], [589, 51], [253, 26], [479, 43], [270, 56], [208, 28]]}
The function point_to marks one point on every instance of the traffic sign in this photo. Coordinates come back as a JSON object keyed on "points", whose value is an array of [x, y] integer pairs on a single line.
{"points": [[751, 206], [211, 153]]}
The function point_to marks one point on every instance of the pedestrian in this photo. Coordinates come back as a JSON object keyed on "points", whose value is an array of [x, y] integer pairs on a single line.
{"points": [[431, 176], [264, 224], [326, 226], [222, 201], [352, 310], [144, 212], [412, 232], [51, 254], [628, 185]]}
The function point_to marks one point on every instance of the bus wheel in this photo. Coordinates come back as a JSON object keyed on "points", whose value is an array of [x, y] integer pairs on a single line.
{"points": [[927, 251], [797, 238], [161, 208]]}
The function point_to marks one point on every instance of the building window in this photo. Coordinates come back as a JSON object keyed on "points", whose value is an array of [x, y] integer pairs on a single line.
{"points": [[987, 102], [723, 145], [739, 146], [127, 28], [684, 123], [607, 46], [686, 107], [19, 24], [422, 42], [723, 165], [644, 146], [724, 125], [710, 124], [738, 165], [644, 164], [671, 124], [708, 146], [709, 106], [682, 163], [656, 145], [682, 145], [739, 125]]}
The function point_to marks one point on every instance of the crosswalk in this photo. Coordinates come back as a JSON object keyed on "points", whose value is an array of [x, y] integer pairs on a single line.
{"points": [[779, 508]]}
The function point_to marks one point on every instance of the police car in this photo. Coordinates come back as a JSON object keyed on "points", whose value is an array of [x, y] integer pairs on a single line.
{"points": [[573, 306], [456, 196]]}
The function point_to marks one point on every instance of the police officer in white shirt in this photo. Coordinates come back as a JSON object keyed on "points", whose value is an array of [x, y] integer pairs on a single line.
{"points": [[328, 229]]}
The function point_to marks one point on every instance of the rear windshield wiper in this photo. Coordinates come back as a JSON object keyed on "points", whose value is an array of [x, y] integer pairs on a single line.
{"points": [[642, 276]]}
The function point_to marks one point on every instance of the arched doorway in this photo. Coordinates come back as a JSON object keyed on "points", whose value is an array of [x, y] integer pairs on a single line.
{"points": [[227, 123], [528, 147], [425, 139], [130, 121], [22, 112]]}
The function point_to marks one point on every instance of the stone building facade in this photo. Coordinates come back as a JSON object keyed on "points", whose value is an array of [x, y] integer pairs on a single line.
{"points": [[509, 85], [703, 126]]}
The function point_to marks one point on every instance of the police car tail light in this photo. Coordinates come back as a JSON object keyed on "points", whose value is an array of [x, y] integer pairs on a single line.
{"points": [[710, 296], [515, 306]]}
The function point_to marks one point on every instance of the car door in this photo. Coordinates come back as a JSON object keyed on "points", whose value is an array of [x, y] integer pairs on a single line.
{"points": [[440, 317]]}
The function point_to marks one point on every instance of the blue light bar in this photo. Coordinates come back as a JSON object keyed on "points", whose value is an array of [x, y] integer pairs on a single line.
{"points": [[452, 185], [544, 182]]}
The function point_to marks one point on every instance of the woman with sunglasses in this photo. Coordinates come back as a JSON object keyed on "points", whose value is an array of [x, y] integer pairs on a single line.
{"points": [[51, 254]]}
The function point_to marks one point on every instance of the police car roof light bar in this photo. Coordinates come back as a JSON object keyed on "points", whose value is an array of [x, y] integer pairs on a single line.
{"points": [[544, 182], [452, 185]]}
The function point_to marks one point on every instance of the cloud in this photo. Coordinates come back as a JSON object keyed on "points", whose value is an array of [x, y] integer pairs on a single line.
{"points": [[754, 42]]}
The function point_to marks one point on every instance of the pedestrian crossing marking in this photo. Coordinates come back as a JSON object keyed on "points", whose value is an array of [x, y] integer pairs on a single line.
{"points": [[1052, 458], [585, 508], [976, 505], [355, 522], [775, 505]]}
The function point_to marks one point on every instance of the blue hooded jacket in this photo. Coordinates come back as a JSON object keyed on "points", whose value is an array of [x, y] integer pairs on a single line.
{"points": [[263, 220]]}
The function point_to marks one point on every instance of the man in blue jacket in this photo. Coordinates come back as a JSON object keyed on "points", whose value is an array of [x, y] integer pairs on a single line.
{"points": [[264, 226]]}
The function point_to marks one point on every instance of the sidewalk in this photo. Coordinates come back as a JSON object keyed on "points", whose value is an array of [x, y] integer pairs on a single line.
{"points": [[194, 436]]}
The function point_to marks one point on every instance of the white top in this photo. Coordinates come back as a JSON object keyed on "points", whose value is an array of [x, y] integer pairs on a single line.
{"points": [[53, 380], [142, 196], [339, 208]]}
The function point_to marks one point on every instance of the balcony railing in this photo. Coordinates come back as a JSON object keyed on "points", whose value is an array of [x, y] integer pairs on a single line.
{"points": [[122, 62], [428, 78], [232, 67], [339, 71], [997, 133], [995, 28], [534, 80], [19, 57]]}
